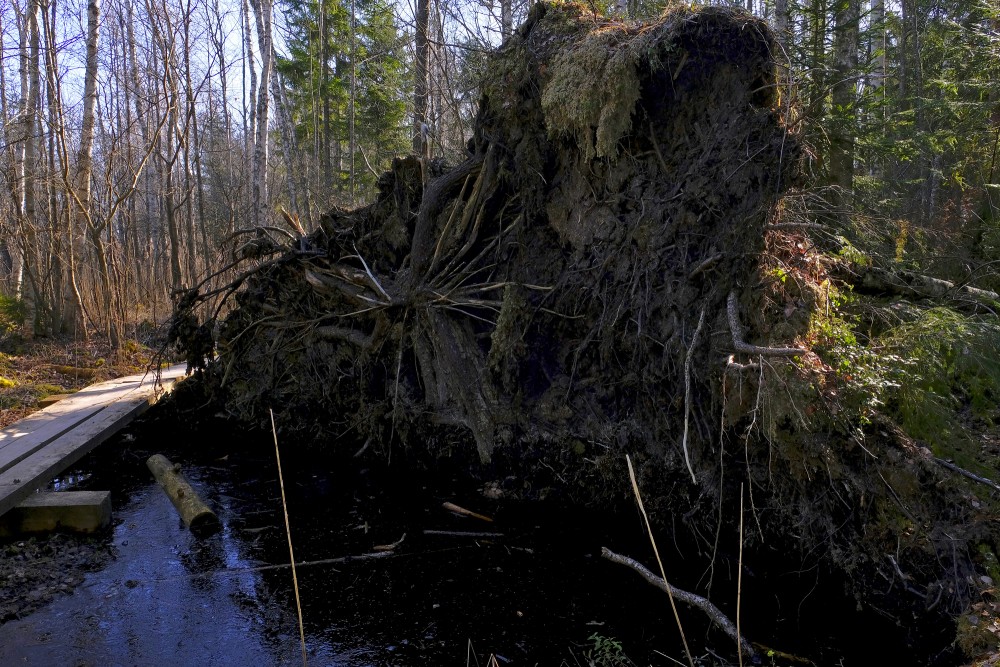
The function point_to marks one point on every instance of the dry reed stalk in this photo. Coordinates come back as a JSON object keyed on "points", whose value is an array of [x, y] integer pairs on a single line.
{"points": [[663, 574], [291, 553], [739, 584]]}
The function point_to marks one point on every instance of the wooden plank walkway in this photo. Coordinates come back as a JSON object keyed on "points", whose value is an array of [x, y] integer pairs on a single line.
{"points": [[43, 444]]}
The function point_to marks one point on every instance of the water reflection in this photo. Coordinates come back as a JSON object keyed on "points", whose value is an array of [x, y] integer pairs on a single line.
{"points": [[169, 598]]}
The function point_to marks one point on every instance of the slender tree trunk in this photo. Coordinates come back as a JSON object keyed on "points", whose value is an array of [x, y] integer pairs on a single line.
{"points": [[904, 47], [73, 315], [169, 152], [143, 272], [169, 202], [249, 128], [843, 130], [262, 14], [29, 176], [85, 154], [84, 169], [219, 41], [782, 22], [420, 76], [324, 137], [289, 147], [56, 233], [185, 141], [507, 18], [352, 139]]}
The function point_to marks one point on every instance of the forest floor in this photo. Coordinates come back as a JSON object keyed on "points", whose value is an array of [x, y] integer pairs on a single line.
{"points": [[36, 570], [32, 370]]}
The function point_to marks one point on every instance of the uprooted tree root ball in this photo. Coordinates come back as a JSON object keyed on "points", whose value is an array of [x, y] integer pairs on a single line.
{"points": [[592, 281]]}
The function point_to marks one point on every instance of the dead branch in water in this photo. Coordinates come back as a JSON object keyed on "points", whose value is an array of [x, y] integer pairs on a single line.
{"points": [[704, 604]]}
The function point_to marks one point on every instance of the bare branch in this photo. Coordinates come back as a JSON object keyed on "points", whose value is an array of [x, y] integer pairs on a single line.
{"points": [[698, 601]]}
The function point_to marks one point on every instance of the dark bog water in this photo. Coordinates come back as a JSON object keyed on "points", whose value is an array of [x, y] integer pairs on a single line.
{"points": [[534, 596]]}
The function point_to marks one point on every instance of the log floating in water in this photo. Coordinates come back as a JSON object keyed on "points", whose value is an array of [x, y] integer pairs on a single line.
{"points": [[201, 520]]}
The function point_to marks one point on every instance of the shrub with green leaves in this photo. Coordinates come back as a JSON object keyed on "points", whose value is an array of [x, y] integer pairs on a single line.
{"points": [[606, 652], [925, 373], [954, 366]]}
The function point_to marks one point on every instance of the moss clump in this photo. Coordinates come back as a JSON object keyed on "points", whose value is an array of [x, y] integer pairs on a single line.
{"points": [[7, 383], [988, 561], [977, 633], [592, 91]]}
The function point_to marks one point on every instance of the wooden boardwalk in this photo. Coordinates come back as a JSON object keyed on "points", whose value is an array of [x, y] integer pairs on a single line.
{"points": [[45, 443]]}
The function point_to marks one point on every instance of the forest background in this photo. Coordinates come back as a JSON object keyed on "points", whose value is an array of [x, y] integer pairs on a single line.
{"points": [[144, 143]]}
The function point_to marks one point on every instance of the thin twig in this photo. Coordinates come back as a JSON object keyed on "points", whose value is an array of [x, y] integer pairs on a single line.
{"points": [[796, 225], [687, 392], [389, 547], [706, 264], [656, 149], [733, 366], [463, 533], [965, 473], [374, 281], [739, 583], [291, 554], [452, 507]]}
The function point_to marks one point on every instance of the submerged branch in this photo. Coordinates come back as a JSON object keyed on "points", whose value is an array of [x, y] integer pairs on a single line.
{"points": [[698, 601]]}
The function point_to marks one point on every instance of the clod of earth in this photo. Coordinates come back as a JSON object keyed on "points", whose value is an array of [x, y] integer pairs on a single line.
{"points": [[588, 283]]}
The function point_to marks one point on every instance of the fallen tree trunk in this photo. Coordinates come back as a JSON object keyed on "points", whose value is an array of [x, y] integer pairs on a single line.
{"points": [[916, 285]]}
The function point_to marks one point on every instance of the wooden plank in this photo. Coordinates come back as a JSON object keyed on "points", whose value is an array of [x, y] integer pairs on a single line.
{"points": [[19, 479], [94, 395], [52, 399], [28, 435], [77, 511]]}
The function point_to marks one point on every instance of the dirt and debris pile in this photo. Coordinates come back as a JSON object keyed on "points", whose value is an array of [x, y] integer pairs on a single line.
{"points": [[567, 283], [593, 281]]}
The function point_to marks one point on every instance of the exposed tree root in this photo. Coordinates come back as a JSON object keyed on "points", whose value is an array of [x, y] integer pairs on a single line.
{"points": [[732, 309]]}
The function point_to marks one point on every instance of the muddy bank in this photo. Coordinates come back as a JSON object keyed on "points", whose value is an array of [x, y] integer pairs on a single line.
{"points": [[34, 571]]}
